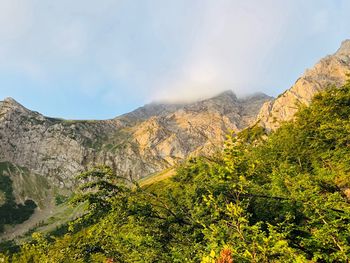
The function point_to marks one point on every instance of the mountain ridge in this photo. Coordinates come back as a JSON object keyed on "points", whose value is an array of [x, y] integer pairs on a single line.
{"points": [[332, 70], [40, 143], [149, 109]]}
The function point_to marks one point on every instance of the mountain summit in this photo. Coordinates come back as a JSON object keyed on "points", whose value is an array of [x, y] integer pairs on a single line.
{"points": [[344, 48], [10, 103]]}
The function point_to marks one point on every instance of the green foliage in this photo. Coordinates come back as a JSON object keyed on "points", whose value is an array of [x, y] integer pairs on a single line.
{"points": [[60, 199], [277, 198], [97, 189], [10, 211]]}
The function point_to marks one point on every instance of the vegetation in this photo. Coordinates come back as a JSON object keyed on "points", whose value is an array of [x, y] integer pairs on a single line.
{"points": [[10, 211], [277, 198], [156, 177]]}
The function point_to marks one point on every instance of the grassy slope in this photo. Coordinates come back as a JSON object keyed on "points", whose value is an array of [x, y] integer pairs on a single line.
{"points": [[157, 177], [17, 184]]}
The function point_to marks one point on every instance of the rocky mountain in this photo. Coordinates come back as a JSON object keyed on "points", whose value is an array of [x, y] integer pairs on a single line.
{"points": [[197, 128], [136, 144], [329, 71]]}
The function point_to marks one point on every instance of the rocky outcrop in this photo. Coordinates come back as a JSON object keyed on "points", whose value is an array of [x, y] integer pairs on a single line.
{"points": [[329, 71], [198, 128], [51, 147]]}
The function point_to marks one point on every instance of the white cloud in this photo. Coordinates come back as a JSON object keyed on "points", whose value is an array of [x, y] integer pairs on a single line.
{"points": [[235, 47], [70, 40], [226, 50], [15, 19]]}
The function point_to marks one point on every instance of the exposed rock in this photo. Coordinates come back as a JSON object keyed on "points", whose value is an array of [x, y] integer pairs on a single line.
{"points": [[151, 110], [142, 142], [329, 71]]}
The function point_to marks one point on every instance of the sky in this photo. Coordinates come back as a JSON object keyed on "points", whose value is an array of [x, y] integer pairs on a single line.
{"points": [[87, 59]]}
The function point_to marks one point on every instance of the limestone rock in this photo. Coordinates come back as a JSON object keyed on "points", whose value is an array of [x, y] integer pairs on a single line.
{"points": [[329, 71], [142, 142]]}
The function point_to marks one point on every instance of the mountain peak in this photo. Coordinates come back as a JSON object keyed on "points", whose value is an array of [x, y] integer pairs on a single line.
{"points": [[10, 103], [329, 71], [256, 96], [10, 100], [225, 94], [344, 48]]}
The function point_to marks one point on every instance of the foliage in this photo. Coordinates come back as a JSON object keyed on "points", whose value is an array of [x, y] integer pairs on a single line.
{"points": [[97, 189], [10, 211], [276, 198], [60, 199]]}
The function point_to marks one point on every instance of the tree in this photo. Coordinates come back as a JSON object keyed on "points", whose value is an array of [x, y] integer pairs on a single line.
{"points": [[98, 188]]}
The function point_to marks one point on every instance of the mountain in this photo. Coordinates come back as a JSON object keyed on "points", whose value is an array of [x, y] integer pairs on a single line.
{"points": [[197, 128], [136, 144], [329, 71]]}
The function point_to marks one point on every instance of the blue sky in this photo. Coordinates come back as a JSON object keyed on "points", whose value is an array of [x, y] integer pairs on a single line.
{"points": [[86, 59]]}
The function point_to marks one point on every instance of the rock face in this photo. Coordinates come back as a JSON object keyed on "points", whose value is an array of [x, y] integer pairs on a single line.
{"points": [[329, 71], [197, 128], [46, 146], [136, 144]]}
